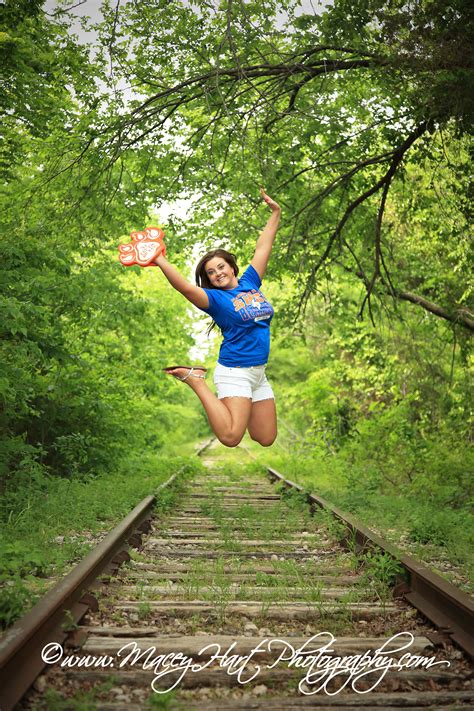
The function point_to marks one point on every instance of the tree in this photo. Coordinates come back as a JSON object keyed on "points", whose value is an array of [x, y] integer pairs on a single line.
{"points": [[333, 111], [82, 341]]}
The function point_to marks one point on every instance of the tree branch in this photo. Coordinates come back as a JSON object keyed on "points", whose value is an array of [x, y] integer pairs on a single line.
{"points": [[457, 315], [259, 70], [398, 155], [462, 316], [378, 247]]}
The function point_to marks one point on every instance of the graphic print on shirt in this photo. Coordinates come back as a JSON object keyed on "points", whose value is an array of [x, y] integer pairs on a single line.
{"points": [[252, 305]]}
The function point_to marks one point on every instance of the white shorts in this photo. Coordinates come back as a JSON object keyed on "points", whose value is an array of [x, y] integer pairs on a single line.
{"points": [[243, 382]]}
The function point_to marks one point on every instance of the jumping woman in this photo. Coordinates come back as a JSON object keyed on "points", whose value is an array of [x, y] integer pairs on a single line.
{"points": [[245, 399]]}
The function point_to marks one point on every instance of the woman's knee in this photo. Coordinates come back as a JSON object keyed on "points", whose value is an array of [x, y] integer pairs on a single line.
{"points": [[231, 440], [264, 440], [267, 442]]}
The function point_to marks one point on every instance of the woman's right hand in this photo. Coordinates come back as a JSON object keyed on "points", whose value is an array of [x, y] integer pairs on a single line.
{"points": [[160, 258], [274, 206]]}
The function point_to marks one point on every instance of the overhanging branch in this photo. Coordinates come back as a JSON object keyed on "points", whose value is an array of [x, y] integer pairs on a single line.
{"points": [[458, 315], [384, 182]]}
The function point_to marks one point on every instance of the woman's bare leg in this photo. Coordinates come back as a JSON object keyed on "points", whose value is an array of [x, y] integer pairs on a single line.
{"points": [[262, 424], [228, 417]]}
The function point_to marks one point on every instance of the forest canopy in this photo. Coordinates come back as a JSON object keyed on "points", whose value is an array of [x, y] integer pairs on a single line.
{"points": [[357, 115]]}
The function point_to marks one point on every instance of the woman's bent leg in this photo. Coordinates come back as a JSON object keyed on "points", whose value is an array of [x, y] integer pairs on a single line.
{"points": [[262, 424], [228, 417]]}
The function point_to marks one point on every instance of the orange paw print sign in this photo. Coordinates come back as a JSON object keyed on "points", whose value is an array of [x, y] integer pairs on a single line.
{"points": [[144, 247]]}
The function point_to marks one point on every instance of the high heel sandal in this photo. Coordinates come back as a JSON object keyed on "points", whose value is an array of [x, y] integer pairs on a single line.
{"points": [[191, 373]]}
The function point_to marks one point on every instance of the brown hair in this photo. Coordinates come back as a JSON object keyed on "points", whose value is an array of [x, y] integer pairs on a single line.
{"points": [[202, 278]]}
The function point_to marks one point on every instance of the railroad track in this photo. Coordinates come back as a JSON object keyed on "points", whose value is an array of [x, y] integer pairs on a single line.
{"points": [[242, 582]]}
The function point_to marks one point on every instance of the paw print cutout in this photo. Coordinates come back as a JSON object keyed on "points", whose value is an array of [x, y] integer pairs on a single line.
{"points": [[144, 247]]}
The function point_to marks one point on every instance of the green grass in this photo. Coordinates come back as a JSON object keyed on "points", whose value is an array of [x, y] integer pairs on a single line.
{"points": [[81, 701], [418, 522], [61, 520]]}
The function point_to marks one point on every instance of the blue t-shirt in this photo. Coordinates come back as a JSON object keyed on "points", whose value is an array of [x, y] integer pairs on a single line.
{"points": [[243, 314]]}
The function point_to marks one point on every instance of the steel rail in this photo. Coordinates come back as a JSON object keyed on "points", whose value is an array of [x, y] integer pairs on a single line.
{"points": [[65, 604], [448, 608]]}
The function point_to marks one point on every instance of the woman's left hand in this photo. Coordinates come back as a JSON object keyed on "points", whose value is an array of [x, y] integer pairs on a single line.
{"points": [[274, 206]]}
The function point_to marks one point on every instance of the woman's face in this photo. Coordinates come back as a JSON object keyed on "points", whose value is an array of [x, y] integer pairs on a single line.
{"points": [[220, 273]]}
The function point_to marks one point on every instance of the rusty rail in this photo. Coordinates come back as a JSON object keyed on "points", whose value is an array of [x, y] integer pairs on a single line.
{"points": [[65, 604], [447, 607]]}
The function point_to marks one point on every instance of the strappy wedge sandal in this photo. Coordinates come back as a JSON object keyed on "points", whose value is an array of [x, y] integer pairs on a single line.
{"points": [[191, 373]]}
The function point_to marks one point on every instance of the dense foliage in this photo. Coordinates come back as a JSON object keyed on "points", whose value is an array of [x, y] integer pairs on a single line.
{"points": [[83, 341]]}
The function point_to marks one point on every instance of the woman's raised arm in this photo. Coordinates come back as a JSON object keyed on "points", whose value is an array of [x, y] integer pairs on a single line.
{"points": [[266, 238], [194, 294]]}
